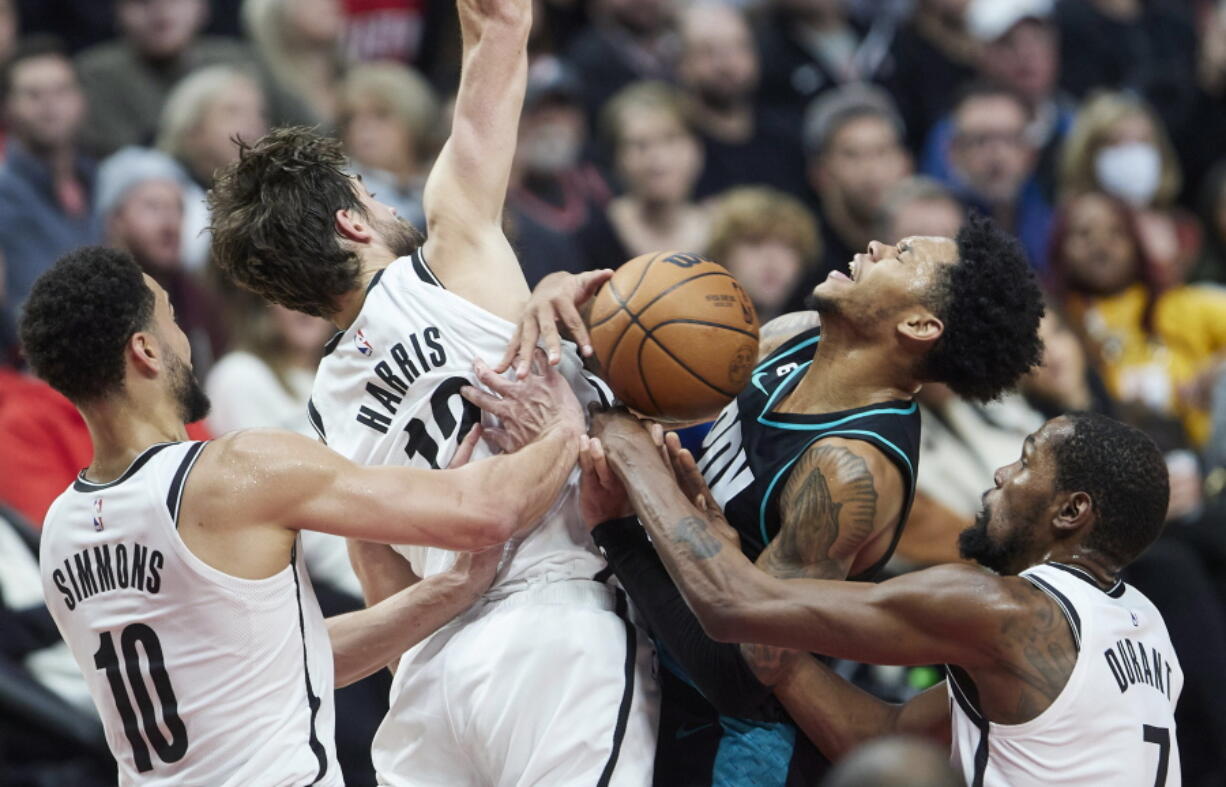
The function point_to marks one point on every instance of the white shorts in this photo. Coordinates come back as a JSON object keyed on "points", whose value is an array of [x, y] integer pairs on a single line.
{"points": [[552, 685]]}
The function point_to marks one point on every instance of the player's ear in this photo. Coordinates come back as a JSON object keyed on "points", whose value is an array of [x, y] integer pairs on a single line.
{"points": [[1074, 512], [145, 352], [353, 225], [920, 328]]}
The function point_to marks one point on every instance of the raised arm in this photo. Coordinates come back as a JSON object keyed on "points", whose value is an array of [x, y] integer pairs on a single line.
{"points": [[465, 191]]}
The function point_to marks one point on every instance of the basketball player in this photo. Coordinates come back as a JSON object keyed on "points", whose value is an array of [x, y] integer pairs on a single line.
{"points": [[547, 682], [814, 465], [1058, 672], [172, 568]]}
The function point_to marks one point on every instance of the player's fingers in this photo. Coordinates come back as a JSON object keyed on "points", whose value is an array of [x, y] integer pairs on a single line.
{"points": [[590, 282], [571, 319], [465, 451], [500, 439], [585, 455], [551, 338], [530, 332], [513, 350], [487, 402], [601, 463], [492, 380], [657, 433]]}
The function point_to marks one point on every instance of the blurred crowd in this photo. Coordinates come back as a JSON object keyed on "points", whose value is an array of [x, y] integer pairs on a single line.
{"points": [[776, 136]]}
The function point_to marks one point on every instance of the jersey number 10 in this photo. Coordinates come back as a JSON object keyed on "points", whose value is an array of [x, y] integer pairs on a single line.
{"points": [[107, 659]]}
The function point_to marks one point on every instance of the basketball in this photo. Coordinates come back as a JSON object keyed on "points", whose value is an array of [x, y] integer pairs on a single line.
{"points": [[674, 336]]}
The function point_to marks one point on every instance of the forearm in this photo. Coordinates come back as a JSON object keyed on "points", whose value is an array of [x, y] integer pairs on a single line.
{"points": [[709, 572], [834, 714], [530, 480], [365, 641], [716, 669]]}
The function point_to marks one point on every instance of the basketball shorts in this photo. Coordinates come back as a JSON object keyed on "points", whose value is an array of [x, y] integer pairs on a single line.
{"points": [[551, 685]]}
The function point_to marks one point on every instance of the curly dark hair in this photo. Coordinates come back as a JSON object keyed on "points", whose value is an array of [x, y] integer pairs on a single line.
{"points": [[991, 305], [1124, 472], [78, 318], [273, 220]]}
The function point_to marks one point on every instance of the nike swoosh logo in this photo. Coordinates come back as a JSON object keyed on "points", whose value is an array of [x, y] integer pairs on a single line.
{"points": [[686, 732]]}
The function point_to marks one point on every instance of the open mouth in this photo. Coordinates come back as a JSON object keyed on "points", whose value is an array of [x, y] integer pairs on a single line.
{"points": [[841, 276]]}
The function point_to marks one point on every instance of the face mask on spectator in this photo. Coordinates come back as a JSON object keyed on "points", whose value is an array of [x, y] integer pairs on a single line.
{"points": [[550, 149], [1131, 171]]}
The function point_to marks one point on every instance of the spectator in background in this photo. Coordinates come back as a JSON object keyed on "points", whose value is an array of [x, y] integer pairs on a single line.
{"points": [[128, 79], [8, 45], [1135, 45], [853, 138], [298, 44], [46, 184], [627, 41], [919, 206], [203, 116], [992, 165], [718, 71], [1211, 266], [140, 208], [767, 240], [657, 160], [383, 30], [930, 59], [895, 762], [554, 196], [1119, 146], [387, 114], [808, 46], [1019, 51], [1159, 348]]}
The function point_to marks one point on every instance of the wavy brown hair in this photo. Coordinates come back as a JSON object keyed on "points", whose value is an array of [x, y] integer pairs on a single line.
{"points": [[274, 221]]}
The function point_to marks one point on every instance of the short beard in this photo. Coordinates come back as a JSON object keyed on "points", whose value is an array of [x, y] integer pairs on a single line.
{"points": [[193, 402], [821, 304], [401, 237], [975, 544]]}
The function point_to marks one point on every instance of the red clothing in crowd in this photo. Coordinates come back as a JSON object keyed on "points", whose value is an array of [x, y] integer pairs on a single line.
{"points": [[44, 443]]}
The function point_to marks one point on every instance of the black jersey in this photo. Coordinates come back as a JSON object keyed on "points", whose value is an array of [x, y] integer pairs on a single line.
{"points": [[748, 455], [747, 458]]}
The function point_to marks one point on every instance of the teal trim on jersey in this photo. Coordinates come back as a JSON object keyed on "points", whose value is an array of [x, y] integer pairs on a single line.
{"points": [[842, 432], [753, 752], [773, 356], [757, 382], [762, 419]]}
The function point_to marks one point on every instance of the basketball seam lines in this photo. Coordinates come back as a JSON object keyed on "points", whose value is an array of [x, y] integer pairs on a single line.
{"points": [[633, 290]]}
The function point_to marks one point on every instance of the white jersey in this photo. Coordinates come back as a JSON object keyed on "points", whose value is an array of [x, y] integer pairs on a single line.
{"points": [[199, 677], [1113, 722], [388, 393]]}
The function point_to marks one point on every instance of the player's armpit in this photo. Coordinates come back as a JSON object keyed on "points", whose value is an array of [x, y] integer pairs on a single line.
{"points": [[775, 333], [836, 500]]}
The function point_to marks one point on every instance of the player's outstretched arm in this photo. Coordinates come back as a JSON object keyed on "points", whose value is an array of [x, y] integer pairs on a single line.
{"points": [[367, 640], [285, 481], [467, 187], [948, 614]]}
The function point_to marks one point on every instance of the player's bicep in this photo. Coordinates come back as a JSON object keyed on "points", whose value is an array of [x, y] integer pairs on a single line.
{"points": [[835, 501]]}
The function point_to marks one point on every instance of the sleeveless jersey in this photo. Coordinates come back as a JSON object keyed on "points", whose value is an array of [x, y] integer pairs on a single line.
{"points": [[747, 458], [199, 677], [388, 393], [748, 455], [1112, 723]]}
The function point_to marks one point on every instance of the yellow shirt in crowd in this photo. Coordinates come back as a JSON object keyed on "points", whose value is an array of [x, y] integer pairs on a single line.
{"points": [[1189, 333]]}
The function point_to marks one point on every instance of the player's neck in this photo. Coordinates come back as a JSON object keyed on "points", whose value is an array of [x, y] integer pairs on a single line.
{"points": [[1103, 569], [848, 372], [121, 429], [373, 261]]}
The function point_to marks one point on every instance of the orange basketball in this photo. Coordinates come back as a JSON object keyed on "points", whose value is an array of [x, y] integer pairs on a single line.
{"points": [[674, 335]]}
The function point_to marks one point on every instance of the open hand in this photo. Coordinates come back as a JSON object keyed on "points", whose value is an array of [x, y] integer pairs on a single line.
{"points": [[557, 298], [528, 406]]}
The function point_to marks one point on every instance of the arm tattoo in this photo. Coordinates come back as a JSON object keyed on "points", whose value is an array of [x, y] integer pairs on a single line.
{"points": [[693, 533], [1045, 643], [823, 526]]}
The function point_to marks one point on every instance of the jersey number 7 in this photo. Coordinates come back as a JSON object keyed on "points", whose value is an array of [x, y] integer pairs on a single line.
{"points": [[107, 659]]}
